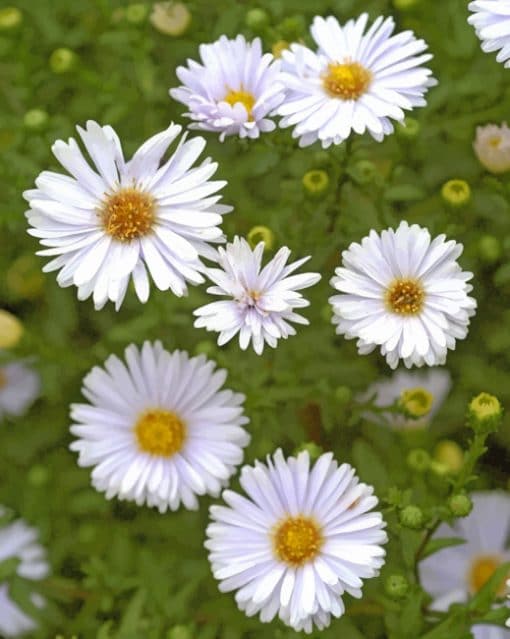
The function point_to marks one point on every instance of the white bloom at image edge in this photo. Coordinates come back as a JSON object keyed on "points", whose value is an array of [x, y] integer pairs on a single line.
{"points": [[302, 537], [127, 219], [17, 540], [262, 300], [20, 386], [403, 292], [233, 91], [455, 574], [491, 20], [158, 428], [355, 82]]}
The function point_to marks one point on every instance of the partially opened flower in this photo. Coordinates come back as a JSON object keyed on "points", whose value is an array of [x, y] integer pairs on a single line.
{"points": [[492, 147], [129, 219], [233, 91], [17, 540], [454, 574], [404, 292], [301, 538], [491, 20], [20, 386], [356, 81], [262, 300], [158, 429]]}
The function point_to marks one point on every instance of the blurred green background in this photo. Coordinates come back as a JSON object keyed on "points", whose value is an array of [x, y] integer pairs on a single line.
{"points": [[124, 572]]}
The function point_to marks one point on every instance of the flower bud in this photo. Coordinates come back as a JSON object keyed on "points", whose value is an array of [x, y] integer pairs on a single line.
{"points": [[170, 18], [450, 455], [313, 449], [278, 48], [256, 19], [416, 402], [261, 234], [24, 278], [364, 172], [315, 183], [62, 60], [11, 329], [418, 460], [10, 18], [35, 119], [343, 394], [408, 129], [205, 347], [492, 147], [292, 27], [460, 505], [412, 517], [456, 193], [38, 475], [396, 586], [405, 5], [180, 632], [136, 13], [489, 248], [485, 413]]}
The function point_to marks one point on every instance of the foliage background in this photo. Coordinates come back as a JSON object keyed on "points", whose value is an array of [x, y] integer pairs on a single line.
{"points": [[127, 572]]}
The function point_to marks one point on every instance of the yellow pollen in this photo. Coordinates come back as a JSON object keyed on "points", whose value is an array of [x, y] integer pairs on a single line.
{"points": [[405, 297], [3, 379], [128, 214], [494, 141], [297, 540], [160, 432], [482, 569], [244, 97], [347, 81], [416, 401]]}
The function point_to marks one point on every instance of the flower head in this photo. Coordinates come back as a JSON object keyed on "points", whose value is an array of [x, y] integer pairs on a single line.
{"points": [[300, 539], [234, 89], [11, 329], [454, 574], [19, 541], [355, 81], [20, 386], [492, 147], [262, 300], [404, 292], [127, 219], [170, 18], [158, 429], [491, 20]]}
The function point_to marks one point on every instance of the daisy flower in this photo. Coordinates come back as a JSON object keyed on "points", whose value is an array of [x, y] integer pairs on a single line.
{"points": [[262, 300], [233, 91], [158, 429], [17, 540], [454, 574], [405, 293], [20, 386], [492, 147], [126, 219], [421, 392], [491, 20], [298, 541], [355, 81]]}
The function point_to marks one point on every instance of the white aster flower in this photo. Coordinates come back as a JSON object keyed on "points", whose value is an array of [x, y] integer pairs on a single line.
{"points": [[262, 300], [354, 82], [158, 429], [492, 147], [420, 392], [454, 574], [491, 20], [300, 539], [126, 218], [233, 91], [20, 541], [20, 386], [404, 292]]}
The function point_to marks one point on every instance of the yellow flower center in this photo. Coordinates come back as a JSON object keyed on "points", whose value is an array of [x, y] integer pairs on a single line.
{"points": [[128, 214], [160, 432], [3, 379], [494, 141], [297, 540], [482, 569], [347, 81], [417, 402], [405, 296], [244, 97]]}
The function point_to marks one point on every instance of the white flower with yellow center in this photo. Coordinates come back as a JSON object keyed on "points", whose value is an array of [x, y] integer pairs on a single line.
{"points": [[17, 540], [404, 292], [454, 574], [420, 394], [301, 538], [20, 386], [355, 81], [262, 300], [233, 91], [158, 429], [129, 219], [491, 20], [492, 147]]}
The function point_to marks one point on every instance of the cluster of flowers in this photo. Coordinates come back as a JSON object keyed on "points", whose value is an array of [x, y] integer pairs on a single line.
{"points": [[158, 428]]}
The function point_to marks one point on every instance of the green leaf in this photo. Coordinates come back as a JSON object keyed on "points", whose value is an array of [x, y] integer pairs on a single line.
{"points": [[371, 467], [435, 545]]}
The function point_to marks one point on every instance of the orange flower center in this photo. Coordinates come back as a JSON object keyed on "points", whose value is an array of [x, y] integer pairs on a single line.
{"points": [[244, 97], [405, 296], [128, 214], [482, 569]]}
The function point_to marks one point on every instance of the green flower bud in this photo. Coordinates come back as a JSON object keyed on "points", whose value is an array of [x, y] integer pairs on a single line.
{"points": [[416, 402], [405, 5], [408, 129], [460, 505], [327, 313], [315, 183], [62, 60], [363, 172], [412, 517], [87, 533], [418, 459], [256, 19], [261, 234], [35, 119], [38, 475], [313, 449], [396, 586], [321, 159], [449, 455], [343, 394], [489, 248], [456, 193], [485, 413], [11, 330], [205, 347], [10, 18], [292, 27], [136, 13], [180, 632]]}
